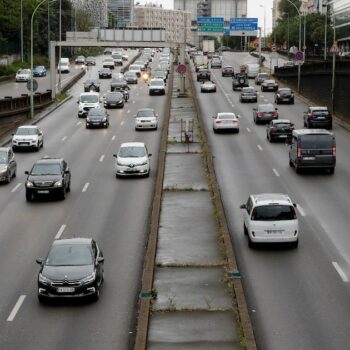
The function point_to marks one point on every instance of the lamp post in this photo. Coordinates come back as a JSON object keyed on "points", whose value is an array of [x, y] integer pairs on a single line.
{"points": [[325, 31], [333, 66], [22, 58], [264, 24], [59, 48], [260, 63]]}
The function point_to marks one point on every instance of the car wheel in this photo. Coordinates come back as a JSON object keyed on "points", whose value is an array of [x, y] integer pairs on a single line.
{"points": [[149, 171], [251, 244], [96, 295], [292, 102], [29, 196], [63, 193], [37, 147], [245, 229], [297, 169], [68, 187], [107, 125], [8, 177], [42, 299], [215, 131], [295, 244], [42, 143], [291, 163], [276, 101], [14, 173], [331, 171]]}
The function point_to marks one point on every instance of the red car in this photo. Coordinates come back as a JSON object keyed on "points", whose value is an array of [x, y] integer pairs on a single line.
{"points": [[269, 85]]}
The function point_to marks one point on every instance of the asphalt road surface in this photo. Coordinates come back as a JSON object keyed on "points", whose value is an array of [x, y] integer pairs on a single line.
{"points": [[113, 211], [298, 298]]}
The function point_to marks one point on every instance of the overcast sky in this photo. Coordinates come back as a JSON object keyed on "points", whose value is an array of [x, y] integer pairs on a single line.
{"points": [[254, 10]]}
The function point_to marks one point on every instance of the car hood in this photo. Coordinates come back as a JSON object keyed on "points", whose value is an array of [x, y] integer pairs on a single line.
{"points": [[96, 117], [114, 100], [149, 119], [25, 137], [44, 178], [135, 161], [3, 167], [60, 273], [22, 75]]}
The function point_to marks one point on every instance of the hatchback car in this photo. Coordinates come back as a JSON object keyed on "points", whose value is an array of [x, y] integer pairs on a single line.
{"points": [[80, 60], [135, 68], [284, 95], [39, 71], [227, 71], [156, 87], [119, 83], [131, 77], [48, 176], [226, 121], [261, 77], [28, 136], [146, 118], [105, 73], [113, 99], [92, 85], [215, 63], [73, 268], [265, 113], [318, 117], [23, 75], [270, 218], [208, 86], [248, 94], [132, 159], [269, 85], [279, 129], [8, 164], [97, 118], [203, 74], [108, 63], [90, 61], [239, 81]]}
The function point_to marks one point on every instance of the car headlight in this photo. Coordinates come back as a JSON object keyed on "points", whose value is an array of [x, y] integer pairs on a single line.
{"points": [[89, 279], [118, 163], [88, 120], [104, 119], [43, 279], [144, 163], [29, 184], [3, 171], [58, 183]]}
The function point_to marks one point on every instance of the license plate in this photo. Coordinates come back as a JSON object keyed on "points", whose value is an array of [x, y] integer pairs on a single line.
{"points": [[44, 191], [24, 143], [274, 232], [309, 158], [321, 118], [286, 99], [282, 136], [65, 290], [228, 122]]}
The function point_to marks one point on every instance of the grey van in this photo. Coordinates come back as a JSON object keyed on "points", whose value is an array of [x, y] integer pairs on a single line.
{"points": [[312, 148]]}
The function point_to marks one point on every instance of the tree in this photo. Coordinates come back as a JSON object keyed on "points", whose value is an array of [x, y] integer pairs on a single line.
{"points": [[285, 6]]}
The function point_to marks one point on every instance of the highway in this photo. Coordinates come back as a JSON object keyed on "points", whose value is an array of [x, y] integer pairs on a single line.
{"points": [[113, 211], [298, 298]]}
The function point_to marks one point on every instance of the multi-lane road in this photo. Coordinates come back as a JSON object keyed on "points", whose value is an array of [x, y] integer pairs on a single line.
{"points": [[113, 211], [298, 298]]}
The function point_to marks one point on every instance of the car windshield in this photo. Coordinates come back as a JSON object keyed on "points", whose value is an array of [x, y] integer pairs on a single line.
{"points": [[226, 116], [130, 74], [90, 82], [156, 83], [134, 67], [97, 112], [281, 125], [3, 157], [269, 81], [266, 108], [46, 169], [114, 96], [263, 75], [39, 68], [285, 91], [69, 255], [273, 213], [24, 71], [117, 56], [320, 112], [118, 80], [89, 98], [250, 90], [145, 114], [317, 142], [132, 152], [27, 131]]}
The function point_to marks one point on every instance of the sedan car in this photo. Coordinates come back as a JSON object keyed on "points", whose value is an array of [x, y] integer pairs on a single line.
{"points": [[318, 117], [227, 71], [39, 71], [48, 176], [8, 164], [248, 94], [226, 121], [269, 85], [108, 63], [23, 75], [90, 61], [91, 85], [265, 113], [97, 118], [208, 86], [132, 159], [28, 136], [80, 60], [73, 268], [131, 77], [279, 129], [203, 74], [146, 118], [113, 99], [284, 95], [215, 63], [119, 83], [105, 73], [261, 77]]}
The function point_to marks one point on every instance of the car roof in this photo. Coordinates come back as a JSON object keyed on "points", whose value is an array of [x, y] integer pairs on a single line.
{"points": [[75, 240], [28, 127], [145, 109], [312, 132], [271, 198], [314, 108], [132, 144], [277, 121], [49, 160], [90, 93]]}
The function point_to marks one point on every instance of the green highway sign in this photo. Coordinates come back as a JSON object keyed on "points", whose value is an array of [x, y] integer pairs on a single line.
{"points": [[211, 29], [210, 24]]}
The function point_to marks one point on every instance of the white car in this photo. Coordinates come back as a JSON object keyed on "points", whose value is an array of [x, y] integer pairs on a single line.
{"points": [[86, 101], [108, 63], [270, 218], [135, 68], [208, 86], [23, 75], [156, 87], [28, 136], [226, 121], [146, 118], [132, 159], [63, 67]]}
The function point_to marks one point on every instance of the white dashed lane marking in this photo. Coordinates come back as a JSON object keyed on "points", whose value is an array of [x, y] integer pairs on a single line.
{"points": [[340, 272], [113, 138], [260, 148], [102, 158], [122, 122], [249, 130], [64, 138], [16, 187], [276, 172], [16, 308], [85, 187], [79, 123], [60, 231]]}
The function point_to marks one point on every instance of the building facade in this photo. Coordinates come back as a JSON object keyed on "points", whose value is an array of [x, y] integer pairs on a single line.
{"points": [[176, 23], [340, 10], [123, 11]]}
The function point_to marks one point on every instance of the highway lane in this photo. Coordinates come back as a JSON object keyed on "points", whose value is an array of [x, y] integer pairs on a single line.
{"points": [[114, 211], [298, 298]]}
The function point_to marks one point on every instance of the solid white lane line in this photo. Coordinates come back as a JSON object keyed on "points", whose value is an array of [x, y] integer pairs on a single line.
{"points": [[64, 138], [248, 130], [260, 148], [122, 122], [340, 272], [301, 210], [276, 172], [60, 231], [113, 138], [16, 187], [16, 308], [79, 123], [85, 187], [101, 158]]}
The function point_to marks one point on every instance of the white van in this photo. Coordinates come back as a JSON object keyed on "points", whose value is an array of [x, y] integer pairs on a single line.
{"points": [[86, 101], [253, 70], [63, 65]]}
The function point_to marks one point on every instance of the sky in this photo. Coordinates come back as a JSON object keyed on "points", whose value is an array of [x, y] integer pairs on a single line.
{"points": [[254, 10]]}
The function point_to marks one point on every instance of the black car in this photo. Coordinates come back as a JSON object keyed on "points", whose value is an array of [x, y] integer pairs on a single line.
{"points": [[279, 129], [48, 176], [239, 80], [203, 74], [73, 268], [265, 113], [97, 118], [90, 61], [39, 71], [114, 99], [284, 95], [318, 117], [131, 77], [92, 85], [119, 84], [104, 73], [227, 71]]}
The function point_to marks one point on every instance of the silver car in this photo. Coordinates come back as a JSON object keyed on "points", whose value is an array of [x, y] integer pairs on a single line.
{"points": [[8, 164], [226, 121], [146, 118], [208, 86]]}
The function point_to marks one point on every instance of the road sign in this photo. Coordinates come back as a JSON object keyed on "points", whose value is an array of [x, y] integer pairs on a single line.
{"points": [[210, 25], [181, 69], [299, 56], [226, 30], [335, 48], [35, 85], [243, 24]]}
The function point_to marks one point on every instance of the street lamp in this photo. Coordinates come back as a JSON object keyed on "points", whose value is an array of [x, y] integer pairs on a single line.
{"points": [[22, 58], [325, 31], [264, 24], [287, 14], [59, 47], [333, 64]]}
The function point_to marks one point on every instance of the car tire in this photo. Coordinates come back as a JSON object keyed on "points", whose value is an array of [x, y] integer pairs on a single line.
{"points": [[251, 244], [215, 131], [245, 230], [14, 173], [297, 169], [42, 299], [292, 102], [29, 196], [237, 131], [37, 147], [68, 187], [96, 295], [63, 193], [331, 171], [295, 244], [8, 177]]}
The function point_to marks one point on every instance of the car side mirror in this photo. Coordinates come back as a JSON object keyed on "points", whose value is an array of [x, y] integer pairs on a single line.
{"points": [[276, 109], [149, 154], [78, 101], [39, 261], [157, 115], [254, 109], [243, 206], [115, 155], [26, 172], [67, 171], [12, 134], [238, 116], [294, 205]]}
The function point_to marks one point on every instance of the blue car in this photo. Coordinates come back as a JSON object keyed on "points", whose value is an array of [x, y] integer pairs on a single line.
{"points": [[39, 71]]}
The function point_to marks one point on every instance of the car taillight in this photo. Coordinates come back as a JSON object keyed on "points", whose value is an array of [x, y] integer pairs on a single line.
{"points": [[218, 121], [274, 129], [334, 148], [260, 114], [234, 121], [299, 152]]}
